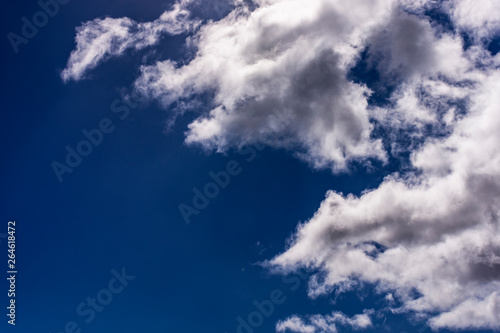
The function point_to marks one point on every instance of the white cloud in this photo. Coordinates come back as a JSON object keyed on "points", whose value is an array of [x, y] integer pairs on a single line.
{"points": [[294, 324], [101, 39], [481, 17], [289, 57], [441, 227], [472, 313], [407, 45], [324, 323]]}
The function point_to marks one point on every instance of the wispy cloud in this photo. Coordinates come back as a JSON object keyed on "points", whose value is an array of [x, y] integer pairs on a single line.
{"points": [[101, 39], [324, 323]]}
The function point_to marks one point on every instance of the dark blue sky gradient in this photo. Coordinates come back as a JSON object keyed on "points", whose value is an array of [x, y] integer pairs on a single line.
{"points": [[119, 208]]}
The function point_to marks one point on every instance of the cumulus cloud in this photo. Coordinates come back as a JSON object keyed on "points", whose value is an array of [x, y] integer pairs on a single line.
{"points": [[436, 232], [408, 46], [280, 73], [322, 323], [101, 39], [289, 57], [479, 17]]}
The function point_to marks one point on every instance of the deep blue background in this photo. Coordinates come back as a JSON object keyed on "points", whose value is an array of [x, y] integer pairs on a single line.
{"points": [[119, 208]]}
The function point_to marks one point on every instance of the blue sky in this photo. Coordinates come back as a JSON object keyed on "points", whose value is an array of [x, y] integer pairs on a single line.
{"points": [[365, 142]]}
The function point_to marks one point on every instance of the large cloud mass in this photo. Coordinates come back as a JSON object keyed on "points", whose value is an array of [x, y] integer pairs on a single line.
{"points": [[437, 233], [288, 74], [289, 57]]}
